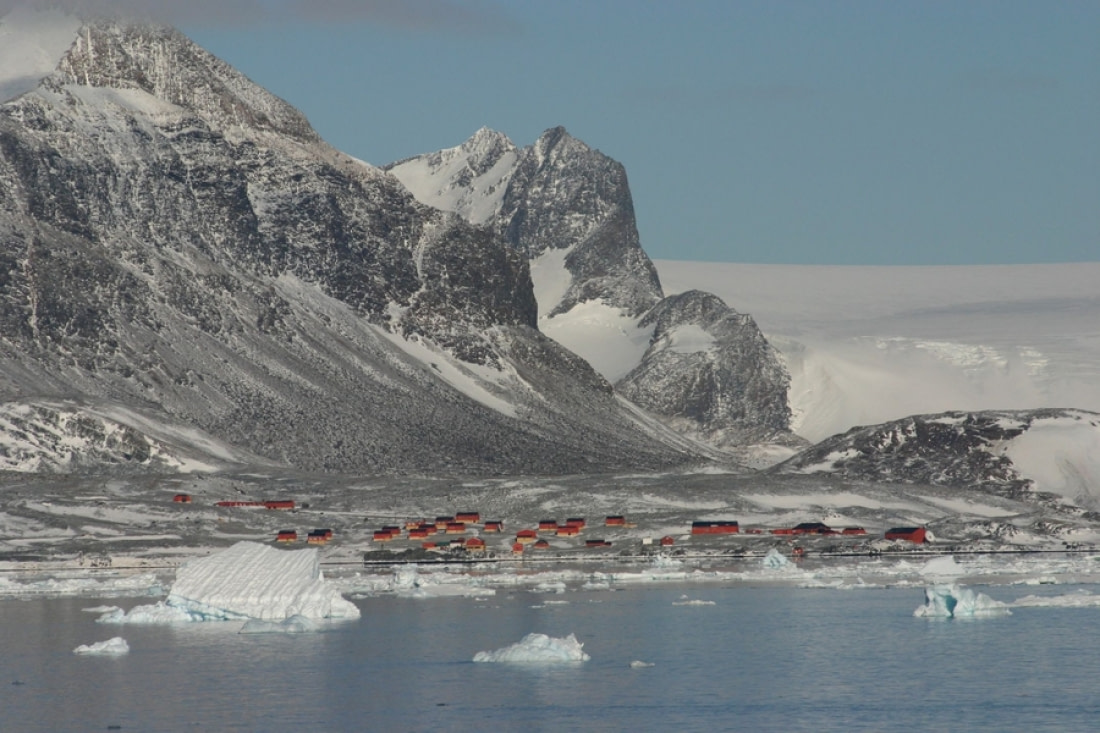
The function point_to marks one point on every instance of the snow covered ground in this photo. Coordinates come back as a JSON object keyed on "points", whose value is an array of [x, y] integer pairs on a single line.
{"points": [[865, 345]]}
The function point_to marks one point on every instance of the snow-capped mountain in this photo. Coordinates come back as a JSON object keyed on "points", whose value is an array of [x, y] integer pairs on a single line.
{"points": [[568, 208], [1012, 453], [176, 239]]}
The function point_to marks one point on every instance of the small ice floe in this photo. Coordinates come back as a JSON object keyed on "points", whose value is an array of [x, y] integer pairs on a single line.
{"points": [[952, 601], [111, 648], [638, 664], [1081, 599], [292, 625], [147, 615], [685, 601], [550, 586], [775, 560], [101, 609], [538, 649]]}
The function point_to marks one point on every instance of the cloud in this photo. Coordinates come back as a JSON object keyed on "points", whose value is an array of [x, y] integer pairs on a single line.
{"points": [[479, 17]]}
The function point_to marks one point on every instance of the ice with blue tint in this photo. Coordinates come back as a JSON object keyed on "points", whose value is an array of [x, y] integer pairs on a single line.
{"points": [[538, 649], [953, 601], [292, 625], [775, 559]]}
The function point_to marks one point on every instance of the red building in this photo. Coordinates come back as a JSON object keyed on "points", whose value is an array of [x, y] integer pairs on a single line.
{"points": [[615, 520], [286, 535], [853, 530], [597, 543], [468, 517], [568, 530], [382, 535], [812, 528], [541, 545], [475, 544], [548, 525], [182, 498], [667, 541], [526, 536], [494, 525], [279, 504], [912, 534], [577, 522]]}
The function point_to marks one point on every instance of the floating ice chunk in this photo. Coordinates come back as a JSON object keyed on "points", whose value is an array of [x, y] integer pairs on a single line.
{"points": [[952, 601], [148, 615], [250, 580], [538, 648], [638, 664], [292, 625], [693, 602], [112, 647], [1081, 599], [775, 559], [100, 609]]}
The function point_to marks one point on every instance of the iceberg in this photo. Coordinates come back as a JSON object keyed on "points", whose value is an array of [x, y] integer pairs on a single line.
{"points": [[253, 581], [538, 648], [952, 601], [112, 647], [246, 581], [775, 559]]}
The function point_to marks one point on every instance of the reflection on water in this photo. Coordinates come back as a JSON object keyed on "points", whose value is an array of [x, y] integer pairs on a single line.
{"points": [[758, 659]]}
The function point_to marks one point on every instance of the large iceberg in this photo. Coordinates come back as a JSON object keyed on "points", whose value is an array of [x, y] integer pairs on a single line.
{"points": [[538, 648], [952, 601], [253, 581], [246, 581]]}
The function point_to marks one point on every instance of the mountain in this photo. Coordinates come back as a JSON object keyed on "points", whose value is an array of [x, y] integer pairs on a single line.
{"points": [[177, 241], [1052, 455], [568, 208]]}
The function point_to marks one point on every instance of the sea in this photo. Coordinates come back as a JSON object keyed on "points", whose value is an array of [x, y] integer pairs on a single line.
{"points": [[682, 657]]}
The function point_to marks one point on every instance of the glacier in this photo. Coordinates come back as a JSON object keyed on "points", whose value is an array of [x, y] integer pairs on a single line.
{"points": [[538, 648]]}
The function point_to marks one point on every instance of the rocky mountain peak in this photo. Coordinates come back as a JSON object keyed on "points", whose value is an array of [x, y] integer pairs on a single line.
{"points": [[165, 64]]}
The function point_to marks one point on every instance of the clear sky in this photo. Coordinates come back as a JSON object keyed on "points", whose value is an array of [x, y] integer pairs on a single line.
{"points": [[777, 131]]}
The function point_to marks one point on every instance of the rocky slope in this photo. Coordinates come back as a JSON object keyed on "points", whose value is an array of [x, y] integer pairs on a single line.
{"points": [[1051, 453], [709, 369], [176, 239], [568, 208]]}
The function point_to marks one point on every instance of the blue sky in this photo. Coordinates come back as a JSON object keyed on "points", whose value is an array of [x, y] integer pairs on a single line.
{"points": [[779, 131]]}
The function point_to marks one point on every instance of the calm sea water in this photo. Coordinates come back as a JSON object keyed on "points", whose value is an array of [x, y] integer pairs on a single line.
{"points": [[759, 659]]}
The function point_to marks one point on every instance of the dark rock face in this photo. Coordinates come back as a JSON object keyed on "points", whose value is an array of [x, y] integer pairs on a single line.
{"points": [[564, 194], [174, 237], [709, 370], [559, 194]]}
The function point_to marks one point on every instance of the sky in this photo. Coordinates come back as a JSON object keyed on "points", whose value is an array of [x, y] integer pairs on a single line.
{"points": [[777, 131]]}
